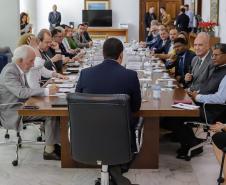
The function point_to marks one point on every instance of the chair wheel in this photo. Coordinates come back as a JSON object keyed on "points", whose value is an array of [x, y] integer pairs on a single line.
{"points": [[15, 163], [187, 158], [7, 136], [98, 182], [220, 180], [39, 139], [24, 127]]}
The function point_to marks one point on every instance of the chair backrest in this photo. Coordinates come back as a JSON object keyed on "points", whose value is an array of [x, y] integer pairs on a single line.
{"points": [[100, 128], [3, 61], [214, 112]]}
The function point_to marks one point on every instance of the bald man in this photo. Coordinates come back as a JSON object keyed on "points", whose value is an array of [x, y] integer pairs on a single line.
{"points": [[201, 66]]}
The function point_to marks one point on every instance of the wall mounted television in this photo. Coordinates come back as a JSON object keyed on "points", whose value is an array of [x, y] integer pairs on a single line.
{"points": [[97, 18]]}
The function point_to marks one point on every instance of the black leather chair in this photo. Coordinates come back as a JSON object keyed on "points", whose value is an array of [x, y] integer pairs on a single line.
{"points": [[100, 130]]}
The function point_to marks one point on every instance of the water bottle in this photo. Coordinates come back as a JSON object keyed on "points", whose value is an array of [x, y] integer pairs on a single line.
{"points": [[156, 91]]}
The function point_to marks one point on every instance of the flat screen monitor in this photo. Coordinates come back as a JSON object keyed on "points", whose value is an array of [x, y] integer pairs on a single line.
{"points": [[97, 18]]}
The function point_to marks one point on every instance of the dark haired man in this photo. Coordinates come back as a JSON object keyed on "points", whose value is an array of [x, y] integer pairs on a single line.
{"points": [[184, 58], [110, 77], [80, 38], [86, 33]]}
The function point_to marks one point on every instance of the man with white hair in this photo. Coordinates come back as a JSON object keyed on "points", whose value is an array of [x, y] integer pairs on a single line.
{"points": [[15, 89]]}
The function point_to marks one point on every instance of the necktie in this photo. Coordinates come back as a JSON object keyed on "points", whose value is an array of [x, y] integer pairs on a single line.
{"points": [[25, 81], [181, 66], [199, 63]]}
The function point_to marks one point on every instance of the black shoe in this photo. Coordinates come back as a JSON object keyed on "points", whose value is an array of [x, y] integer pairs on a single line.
{"points": [[57, 149], [50, 156]]}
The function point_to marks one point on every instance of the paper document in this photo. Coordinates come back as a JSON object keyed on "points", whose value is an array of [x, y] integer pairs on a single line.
{"points": [[185, 106]]}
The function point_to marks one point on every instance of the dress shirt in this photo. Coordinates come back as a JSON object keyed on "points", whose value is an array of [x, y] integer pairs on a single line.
{"points": [[218, 97], [35, 73], [66, 44]]}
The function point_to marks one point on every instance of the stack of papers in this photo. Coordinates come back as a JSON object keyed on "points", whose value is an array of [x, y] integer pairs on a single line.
{"points": [[185, 106]]}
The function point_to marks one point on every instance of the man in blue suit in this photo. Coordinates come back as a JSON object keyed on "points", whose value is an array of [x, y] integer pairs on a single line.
{"points": [[54, 18], [110, 77]]}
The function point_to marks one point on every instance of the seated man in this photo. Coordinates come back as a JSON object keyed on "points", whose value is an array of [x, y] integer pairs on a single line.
{"points": [[53, 62], [183, 62], [14, 88], [163, 45], [201, 66], [86, 33], [110, 77], [80, 38], [152, 37]]}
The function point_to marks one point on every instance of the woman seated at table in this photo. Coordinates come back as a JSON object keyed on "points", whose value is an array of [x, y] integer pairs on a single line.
{"points": [[38, 71], [219, 142]]}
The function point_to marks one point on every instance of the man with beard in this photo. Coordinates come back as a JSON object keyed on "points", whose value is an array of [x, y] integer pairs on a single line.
{"points": [[184, 58]]}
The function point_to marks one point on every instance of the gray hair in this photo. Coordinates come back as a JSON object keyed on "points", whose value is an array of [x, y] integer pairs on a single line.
{"points": [[21, 52]]}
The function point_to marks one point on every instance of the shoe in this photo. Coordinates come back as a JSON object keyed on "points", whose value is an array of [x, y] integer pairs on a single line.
{"points": [[57, 149], [50, 156]]}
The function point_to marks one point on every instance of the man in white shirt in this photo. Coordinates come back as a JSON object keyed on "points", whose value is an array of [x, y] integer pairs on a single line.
{"points": [[190, 14]]}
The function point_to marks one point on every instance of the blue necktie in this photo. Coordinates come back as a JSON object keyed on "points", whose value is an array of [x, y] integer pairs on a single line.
{"points": [[181, 66]]}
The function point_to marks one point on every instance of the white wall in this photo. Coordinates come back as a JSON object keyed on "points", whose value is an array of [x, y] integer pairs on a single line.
{"points": [[9, 21], [29, 6], [206, 10], [222, 10], [124, 11]]}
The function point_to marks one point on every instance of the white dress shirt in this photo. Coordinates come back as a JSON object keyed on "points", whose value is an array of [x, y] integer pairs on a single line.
{"points": [[35, 73]]}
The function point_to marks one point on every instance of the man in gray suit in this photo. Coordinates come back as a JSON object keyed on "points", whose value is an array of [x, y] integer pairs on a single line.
{"points": [[54, 18], [14, 89], [201, 66]]}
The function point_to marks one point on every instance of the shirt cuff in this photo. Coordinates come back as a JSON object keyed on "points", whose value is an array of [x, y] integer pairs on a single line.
{"points": [[46, 91], [197, 98]]}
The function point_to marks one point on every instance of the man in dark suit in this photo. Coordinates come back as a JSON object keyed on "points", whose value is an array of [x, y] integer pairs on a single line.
{"points": [[182, 21], [110, 77], [54, 18], [148, 17], [163, 45], [184, 58]]}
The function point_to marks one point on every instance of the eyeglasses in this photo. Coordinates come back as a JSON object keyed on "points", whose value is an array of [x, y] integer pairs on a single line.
{"points": [[216, 55]]}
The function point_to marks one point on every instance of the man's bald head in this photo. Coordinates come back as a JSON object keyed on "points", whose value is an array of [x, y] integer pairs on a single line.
{"points": [[202, 44]]}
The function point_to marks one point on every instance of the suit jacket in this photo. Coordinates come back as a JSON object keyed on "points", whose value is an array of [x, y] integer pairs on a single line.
{"points": [[54, 19], [80, 40], [201, 74], [109, 77], [151, 41], [13, 89], [182, 22], [148, 18], [160, 48], [188, 57]]}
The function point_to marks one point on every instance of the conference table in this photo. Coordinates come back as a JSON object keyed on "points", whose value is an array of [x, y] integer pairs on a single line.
{"points": [[151, 109]]}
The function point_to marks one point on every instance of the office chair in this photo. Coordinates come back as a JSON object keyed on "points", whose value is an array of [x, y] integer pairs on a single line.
{"points": [[3, 61], [210, 113], [100, 130], [19, 140]]}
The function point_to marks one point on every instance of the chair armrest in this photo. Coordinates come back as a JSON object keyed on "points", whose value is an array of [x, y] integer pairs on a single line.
{"points": [[139, 130]]}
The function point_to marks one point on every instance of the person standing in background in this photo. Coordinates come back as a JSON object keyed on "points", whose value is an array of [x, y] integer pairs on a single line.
{"points": [[190, 14], [165, 17], [54, 18], [148, 17], [25, 27]]}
